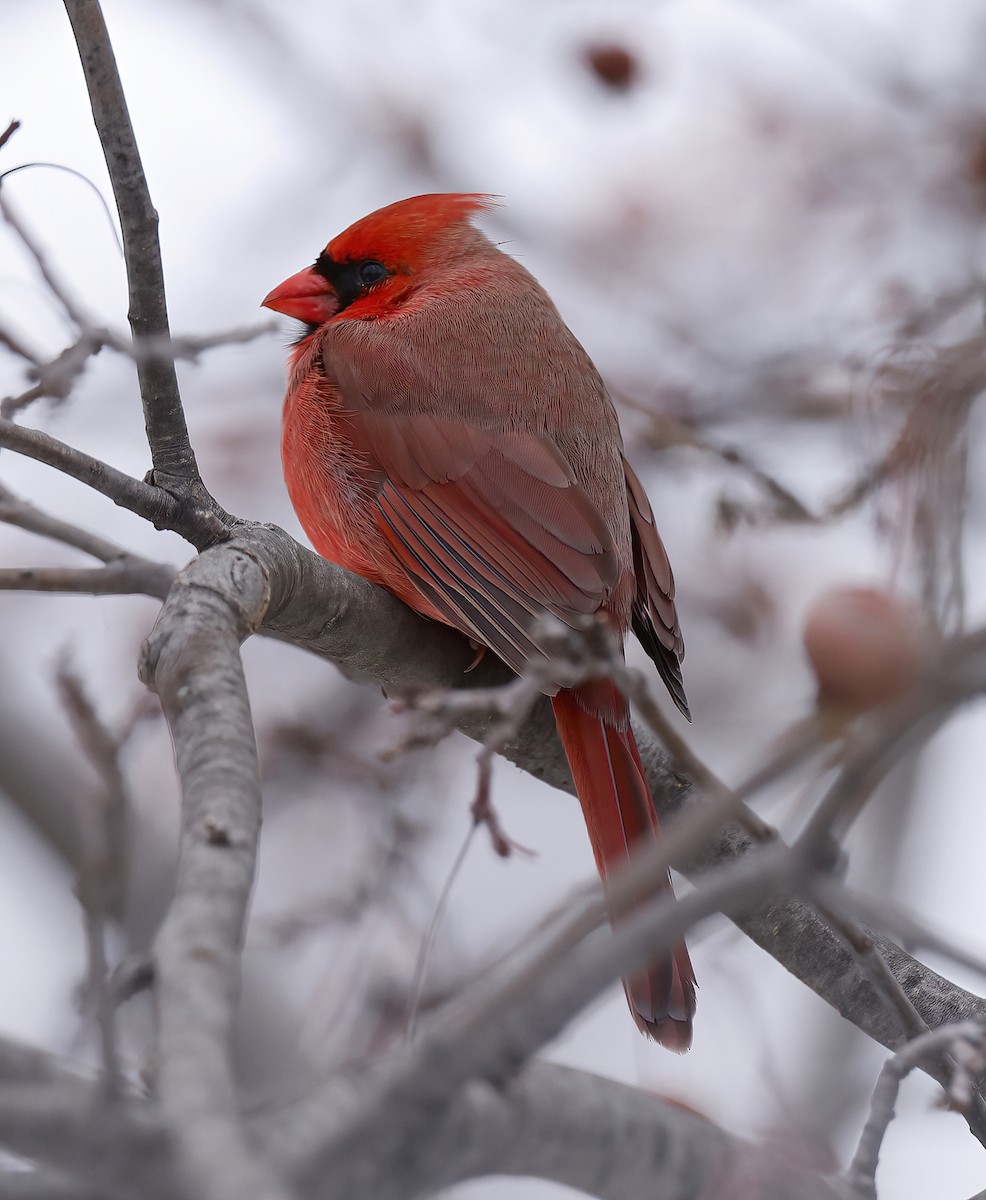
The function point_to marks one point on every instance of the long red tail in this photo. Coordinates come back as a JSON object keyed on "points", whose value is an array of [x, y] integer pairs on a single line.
{"points": [[593, 723]]}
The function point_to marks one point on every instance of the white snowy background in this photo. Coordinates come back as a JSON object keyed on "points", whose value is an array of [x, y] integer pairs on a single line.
{"points": [[738, 237]]}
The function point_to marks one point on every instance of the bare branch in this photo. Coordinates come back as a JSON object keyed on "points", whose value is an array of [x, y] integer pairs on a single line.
{"points": [[483, 1040], [603, 1138], [191, 659], [68, 302], [124, 573], [16, 346], [15, 510], [19, 1184], [56, 379], [9, 132], [167, 434], [882, 913], [871, 961], [127, 576], [200, 526], [103, 869], [327, 611], [965, 1042], [118, 1147]]}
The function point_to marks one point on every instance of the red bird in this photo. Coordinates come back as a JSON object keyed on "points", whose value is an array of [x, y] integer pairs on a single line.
{"points": [[445, 436]]}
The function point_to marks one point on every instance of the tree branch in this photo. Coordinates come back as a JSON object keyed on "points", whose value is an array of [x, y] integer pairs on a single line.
{"points": [[489, 1036], [15, 510], [201, 526], [966, 1047], [552, 1122], [373, 637], [127, 576], [192, 661], [171, 453]]}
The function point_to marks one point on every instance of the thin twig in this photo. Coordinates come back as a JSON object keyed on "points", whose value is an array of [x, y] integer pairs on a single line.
{"points": [[124, 572], [124, 577], [14, 344], [57, 378], [911, 931], [15, 510], [167, 434], [9, 132], [55, 285], [965, 1042], [102, 870], [191, 347], [492, 1032], [199, 526]]}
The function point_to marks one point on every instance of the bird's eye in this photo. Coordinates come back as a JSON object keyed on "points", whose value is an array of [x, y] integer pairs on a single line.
{"points": [[371, 272]]}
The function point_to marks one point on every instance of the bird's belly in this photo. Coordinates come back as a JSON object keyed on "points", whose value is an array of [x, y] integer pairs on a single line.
{"points": [[331, 489]]}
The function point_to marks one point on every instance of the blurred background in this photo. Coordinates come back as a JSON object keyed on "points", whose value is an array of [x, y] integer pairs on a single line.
{"points": [[764, 221]]}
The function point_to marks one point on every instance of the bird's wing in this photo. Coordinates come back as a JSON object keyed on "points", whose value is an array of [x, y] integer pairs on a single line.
{"points": [[491, 527], [655, 621], [487, 519]]}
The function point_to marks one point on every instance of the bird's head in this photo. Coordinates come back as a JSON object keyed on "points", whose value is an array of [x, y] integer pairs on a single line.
{"points": [[375, 261]]}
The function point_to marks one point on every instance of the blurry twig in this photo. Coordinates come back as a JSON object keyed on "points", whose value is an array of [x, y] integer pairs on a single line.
{"points": [[491, 1032], [15, 510], [924, 321], [124, 572], [57, 378], [909, 930], [428, 942], [871, 961], [665, 431], [436, 714], [9, 132], [931, 457], [16, 346], [103, 866], [61, 293], [939, 393], [965, 1042]]}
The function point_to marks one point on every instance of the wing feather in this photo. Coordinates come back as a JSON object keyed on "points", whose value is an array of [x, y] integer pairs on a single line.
{"points": [[513, 538], [654, 619], [491, 492]]}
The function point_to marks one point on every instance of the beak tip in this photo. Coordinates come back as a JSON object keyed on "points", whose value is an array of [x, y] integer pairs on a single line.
{"points": [[306, 297]]}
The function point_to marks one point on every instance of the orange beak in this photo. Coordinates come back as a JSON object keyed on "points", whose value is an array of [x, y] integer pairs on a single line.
{"points": [[307, 297]]}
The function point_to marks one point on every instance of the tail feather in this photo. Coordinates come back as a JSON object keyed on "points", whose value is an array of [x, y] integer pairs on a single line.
{"points": [[593, 723]]}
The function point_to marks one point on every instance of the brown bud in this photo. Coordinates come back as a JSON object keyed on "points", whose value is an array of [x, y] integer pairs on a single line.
{"points": [[866, 647], [613, 65]]}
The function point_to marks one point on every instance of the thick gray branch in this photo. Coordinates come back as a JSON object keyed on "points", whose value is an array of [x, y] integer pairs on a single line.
{"points": [[373, 637], [551, 1122], [568, 1126], [192, 661]]}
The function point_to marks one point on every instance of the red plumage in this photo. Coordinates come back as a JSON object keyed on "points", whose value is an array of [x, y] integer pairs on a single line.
{"points": [[446, 437]]}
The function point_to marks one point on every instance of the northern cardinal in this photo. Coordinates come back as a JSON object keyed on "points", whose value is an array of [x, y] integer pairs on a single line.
{"points": [[445, 436]]}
